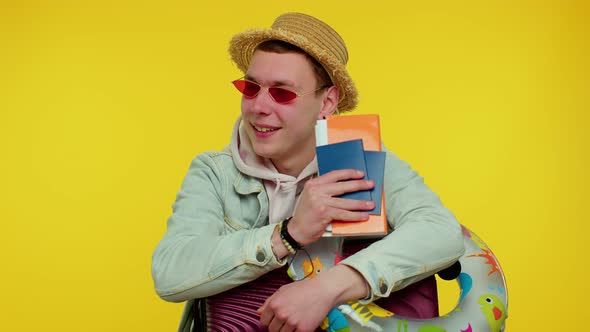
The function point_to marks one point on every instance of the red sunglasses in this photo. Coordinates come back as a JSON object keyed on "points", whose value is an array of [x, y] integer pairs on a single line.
{"points": [[280, 95]]}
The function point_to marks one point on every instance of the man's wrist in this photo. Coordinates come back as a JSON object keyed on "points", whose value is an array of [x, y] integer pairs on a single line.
{"points": [[277, 245], [348, 284], [291, 244]]}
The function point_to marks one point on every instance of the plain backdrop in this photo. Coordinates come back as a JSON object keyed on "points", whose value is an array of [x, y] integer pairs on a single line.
{"points": [[103, 104]]}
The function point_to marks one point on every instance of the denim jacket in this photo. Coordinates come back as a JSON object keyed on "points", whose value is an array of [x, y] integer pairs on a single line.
{"points": [[219, 236]]}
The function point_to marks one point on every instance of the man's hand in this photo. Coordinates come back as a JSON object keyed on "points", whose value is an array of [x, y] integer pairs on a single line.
{"points": [[302, 306], [299, 306], [318, 205]]}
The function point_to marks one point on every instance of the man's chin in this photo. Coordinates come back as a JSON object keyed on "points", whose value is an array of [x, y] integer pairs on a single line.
{"points": [[265, 152]]}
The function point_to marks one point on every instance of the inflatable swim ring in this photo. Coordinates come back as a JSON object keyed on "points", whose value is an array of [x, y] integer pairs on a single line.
{"points": [[483, 301]]}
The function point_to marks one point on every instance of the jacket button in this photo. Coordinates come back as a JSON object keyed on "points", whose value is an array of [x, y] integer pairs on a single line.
{"points": [[260, 256], [382, 286]]}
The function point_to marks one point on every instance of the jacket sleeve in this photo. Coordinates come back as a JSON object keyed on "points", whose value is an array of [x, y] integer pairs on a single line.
{"points": [[199, 255], [426, 237]]}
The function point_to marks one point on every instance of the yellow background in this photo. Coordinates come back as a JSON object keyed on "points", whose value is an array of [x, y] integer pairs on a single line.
{"points": [[103, 104]]}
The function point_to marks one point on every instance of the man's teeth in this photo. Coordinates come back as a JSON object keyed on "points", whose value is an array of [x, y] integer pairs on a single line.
{"points": [[264, 130]]}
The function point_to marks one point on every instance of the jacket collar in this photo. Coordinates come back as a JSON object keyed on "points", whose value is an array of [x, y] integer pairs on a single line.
{"points": [[246, 185]]}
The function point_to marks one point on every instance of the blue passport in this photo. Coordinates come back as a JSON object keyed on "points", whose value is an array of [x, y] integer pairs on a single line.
{"points": [[344, 155], [375, 162]]}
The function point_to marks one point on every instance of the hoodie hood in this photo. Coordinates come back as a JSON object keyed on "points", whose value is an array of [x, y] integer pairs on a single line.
{"points": [[283, 190]]}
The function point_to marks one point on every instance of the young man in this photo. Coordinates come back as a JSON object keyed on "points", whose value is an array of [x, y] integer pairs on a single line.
{"points": [[225, 228]]}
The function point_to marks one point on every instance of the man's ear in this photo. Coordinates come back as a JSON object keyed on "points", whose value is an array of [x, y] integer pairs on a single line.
{"points": [[330, 102]]}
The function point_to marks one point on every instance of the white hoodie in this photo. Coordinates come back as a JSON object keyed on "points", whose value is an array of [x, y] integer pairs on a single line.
{"points": [[283, 190]]}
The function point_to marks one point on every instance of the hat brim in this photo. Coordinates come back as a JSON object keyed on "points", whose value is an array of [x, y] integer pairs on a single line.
{"points": [[243, 45]]}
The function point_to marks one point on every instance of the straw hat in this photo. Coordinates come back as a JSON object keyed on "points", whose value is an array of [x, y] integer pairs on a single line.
{"points": [[311, 35]]}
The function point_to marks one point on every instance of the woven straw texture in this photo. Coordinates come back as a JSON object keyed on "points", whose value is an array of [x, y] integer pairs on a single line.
{"points": [[311, 35]]}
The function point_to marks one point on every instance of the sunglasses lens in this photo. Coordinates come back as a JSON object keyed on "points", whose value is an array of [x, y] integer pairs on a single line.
{"points": [[281, 95], [248, 88]]}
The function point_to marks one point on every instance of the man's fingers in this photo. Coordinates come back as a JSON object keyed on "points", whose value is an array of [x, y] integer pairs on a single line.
{"points": [[339, 175], [265, 315], [351, 204], [275, 325], [339, 188], [344, 215], [263, 306], [287, 328]]}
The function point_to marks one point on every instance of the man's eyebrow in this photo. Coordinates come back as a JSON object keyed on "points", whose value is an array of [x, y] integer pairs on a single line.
{"points": [[273, 83]]}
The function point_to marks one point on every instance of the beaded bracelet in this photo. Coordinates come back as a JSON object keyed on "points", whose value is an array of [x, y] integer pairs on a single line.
{"points": [[290, 243], [287, 245]]}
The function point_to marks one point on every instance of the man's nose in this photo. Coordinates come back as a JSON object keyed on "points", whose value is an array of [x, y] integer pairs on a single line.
{"points": [[262, 102]]}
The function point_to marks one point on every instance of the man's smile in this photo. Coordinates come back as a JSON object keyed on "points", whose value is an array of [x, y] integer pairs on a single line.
{"points": [[264, 128]]}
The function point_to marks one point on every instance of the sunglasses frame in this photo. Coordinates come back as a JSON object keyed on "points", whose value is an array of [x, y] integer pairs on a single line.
{"points": [[297, 95]]}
